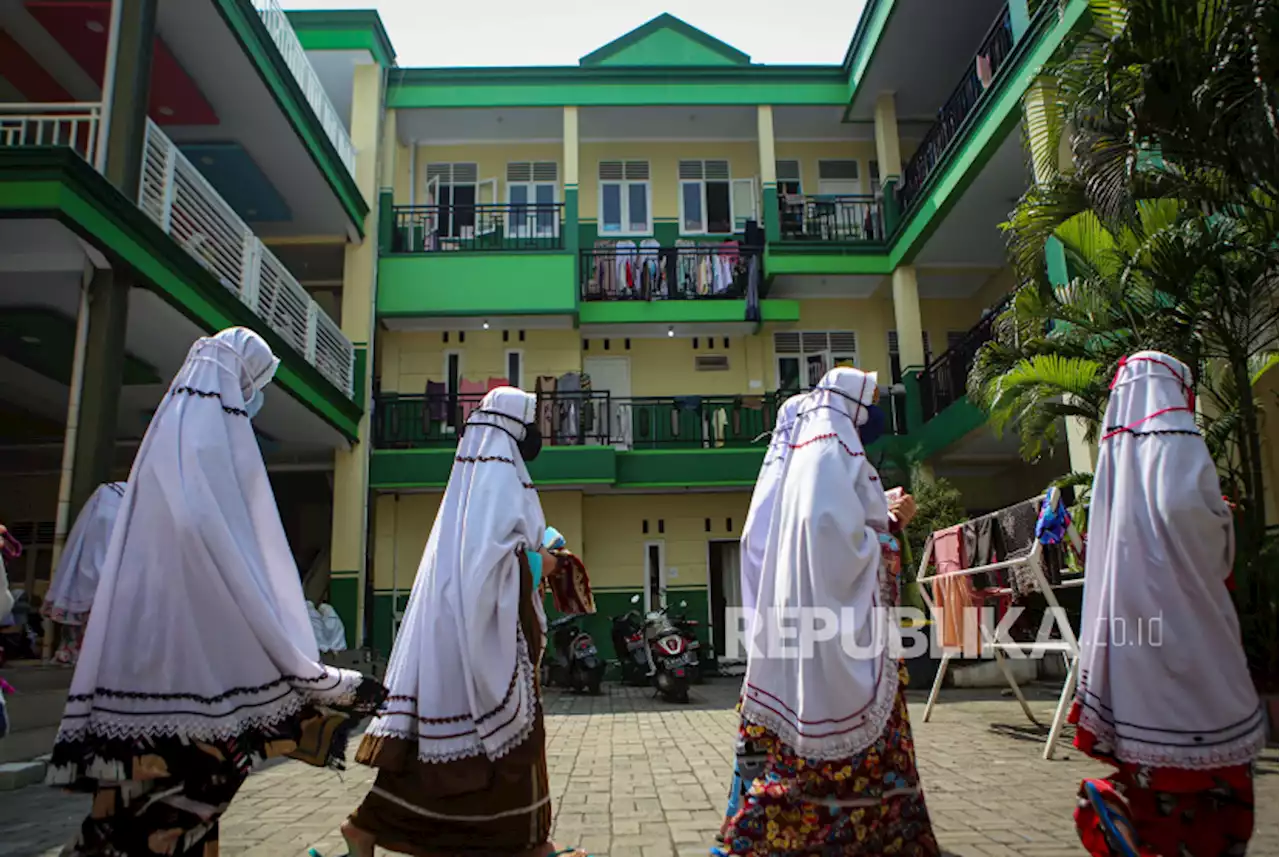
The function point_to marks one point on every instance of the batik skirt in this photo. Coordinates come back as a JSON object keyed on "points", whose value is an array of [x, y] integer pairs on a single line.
{"points": [[1175, 812], [166, 795], [869, 804]]}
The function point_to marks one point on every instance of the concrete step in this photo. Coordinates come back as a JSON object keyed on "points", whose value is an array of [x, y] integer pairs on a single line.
{"points": [[17, 775], [27, 745], [28, 676]]}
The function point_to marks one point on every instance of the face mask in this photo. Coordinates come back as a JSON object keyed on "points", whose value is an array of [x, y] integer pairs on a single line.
{"points": [[873, 428], [255, 404], [532, 443]]}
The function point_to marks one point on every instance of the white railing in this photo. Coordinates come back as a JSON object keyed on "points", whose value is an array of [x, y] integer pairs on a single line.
{"points": [[277, 24], [181, 201], [74, 125]]}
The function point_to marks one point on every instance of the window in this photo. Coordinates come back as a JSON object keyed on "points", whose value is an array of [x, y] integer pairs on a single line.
{"points": [[461, 197], [803, 357], [838, 178], [531, 194], [515, 368], [895, 362], [788, 176], [624, 198], [706, 198]]}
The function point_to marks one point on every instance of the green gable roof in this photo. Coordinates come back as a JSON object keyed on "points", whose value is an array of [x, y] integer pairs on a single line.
{"points": [[666, 41]]}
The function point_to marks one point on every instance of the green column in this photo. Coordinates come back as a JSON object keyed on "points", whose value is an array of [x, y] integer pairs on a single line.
{"points": [[100, 393], [772, 223], [892, 211]]}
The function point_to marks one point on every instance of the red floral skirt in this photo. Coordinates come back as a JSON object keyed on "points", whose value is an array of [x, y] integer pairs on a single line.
{"points": [[870, 804], [1176, 812]]}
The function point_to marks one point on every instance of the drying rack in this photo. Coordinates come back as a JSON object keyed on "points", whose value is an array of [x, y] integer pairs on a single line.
{"points": [[1068, 646]]}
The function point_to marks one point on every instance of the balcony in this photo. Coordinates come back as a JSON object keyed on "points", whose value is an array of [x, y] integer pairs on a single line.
{"points": [[943, 381], [286, 40], [623, 271], [73, 125], [181, 201], [988, 62], [478, 227], [830, 219]]}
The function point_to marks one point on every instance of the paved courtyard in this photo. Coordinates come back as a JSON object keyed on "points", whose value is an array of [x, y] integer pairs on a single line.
{"points": [[637, 777]]}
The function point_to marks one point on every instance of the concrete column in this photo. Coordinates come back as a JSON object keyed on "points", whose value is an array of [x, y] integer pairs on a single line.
{"points": [[351, 467], [570, 143], [768, 173], [129, 82], [108, 307], [889, 157], [906, 316]]}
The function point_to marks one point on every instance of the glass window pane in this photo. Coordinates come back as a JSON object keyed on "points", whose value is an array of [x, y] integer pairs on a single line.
{"points": [[638, 208], [610, 208], [691, 199], [788, 373], [519, 194], [719, 216]]}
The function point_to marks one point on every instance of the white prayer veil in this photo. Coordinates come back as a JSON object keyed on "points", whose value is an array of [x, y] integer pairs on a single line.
{"points": [[461, 675], [1163, 678], [826, 699], [199, 628], [755, 532], [76, 579]]}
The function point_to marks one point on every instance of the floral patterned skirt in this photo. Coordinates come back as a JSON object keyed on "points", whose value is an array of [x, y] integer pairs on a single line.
{"points": [[1174, 811], [870, 804]]}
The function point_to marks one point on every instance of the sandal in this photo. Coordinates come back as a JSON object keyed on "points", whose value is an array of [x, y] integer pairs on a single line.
{"points": [[1112, 813]]}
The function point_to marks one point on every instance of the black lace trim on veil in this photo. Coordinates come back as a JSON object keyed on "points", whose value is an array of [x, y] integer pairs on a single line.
{"points": [[211, 394]]}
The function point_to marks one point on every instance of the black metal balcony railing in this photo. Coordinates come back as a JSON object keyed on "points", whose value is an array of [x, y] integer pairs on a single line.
{"points": [[987, 63], [943, 381], [650, 272], [830, 218], [599, 419], [480, 226]]}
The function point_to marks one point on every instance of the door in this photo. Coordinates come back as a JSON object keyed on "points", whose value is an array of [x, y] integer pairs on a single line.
{"points": [[612, 375], [655, 576], [744, 203], [724, 582], [487, 217]]}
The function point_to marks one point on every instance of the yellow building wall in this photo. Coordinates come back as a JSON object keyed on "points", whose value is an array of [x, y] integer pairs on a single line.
{"points": [[491, 161], [663, 158], [809, 153], [404, 521], [615, 538], [409, 359]]}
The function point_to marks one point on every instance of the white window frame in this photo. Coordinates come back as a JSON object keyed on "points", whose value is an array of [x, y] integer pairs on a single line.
{"points": [[624, 202], [740, 218], [830, 357], [702, 186], [506, 366], [531, 188], [433, 184]]}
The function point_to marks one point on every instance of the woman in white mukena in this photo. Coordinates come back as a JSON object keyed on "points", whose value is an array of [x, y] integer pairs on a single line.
{"points": [[1165, 695], [76, 579], [199, 661]]}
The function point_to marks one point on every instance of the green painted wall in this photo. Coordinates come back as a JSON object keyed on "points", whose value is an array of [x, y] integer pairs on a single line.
{"points": [[460, 283], [668, 47], [683, 312], [681, 468], [344, 595]]}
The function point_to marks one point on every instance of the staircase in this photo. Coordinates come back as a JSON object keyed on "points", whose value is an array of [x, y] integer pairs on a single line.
{"points": [[34, 714]]}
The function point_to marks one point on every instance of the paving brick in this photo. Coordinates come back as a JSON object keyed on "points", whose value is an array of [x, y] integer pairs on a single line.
{"points": [[632, 776]]}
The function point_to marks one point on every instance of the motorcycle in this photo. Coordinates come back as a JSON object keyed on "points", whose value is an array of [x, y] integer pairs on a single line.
{"points": [[689, 630], [574, 661], [665, 652], [629, 648]]}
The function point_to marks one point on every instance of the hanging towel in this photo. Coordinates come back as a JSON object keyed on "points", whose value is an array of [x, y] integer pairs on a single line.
{"points": [[1018, 527], [470, 394], [495, 383], [753, 288], [545, 389], [954, 594], [652, 285], [624, 267], [983, 67]]}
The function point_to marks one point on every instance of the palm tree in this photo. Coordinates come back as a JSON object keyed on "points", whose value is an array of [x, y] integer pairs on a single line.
{"points": [[1166, 217]]}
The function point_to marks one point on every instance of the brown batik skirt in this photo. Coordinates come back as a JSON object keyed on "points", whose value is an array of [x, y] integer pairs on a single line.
{"points": [[475, 805]]}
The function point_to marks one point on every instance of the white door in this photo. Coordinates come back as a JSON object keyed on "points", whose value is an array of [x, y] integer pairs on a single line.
{"points": [[655, 576], [611, 375]]}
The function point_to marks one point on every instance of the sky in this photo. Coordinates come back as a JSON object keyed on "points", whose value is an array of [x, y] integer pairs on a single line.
{"points": [[558, 32]]}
